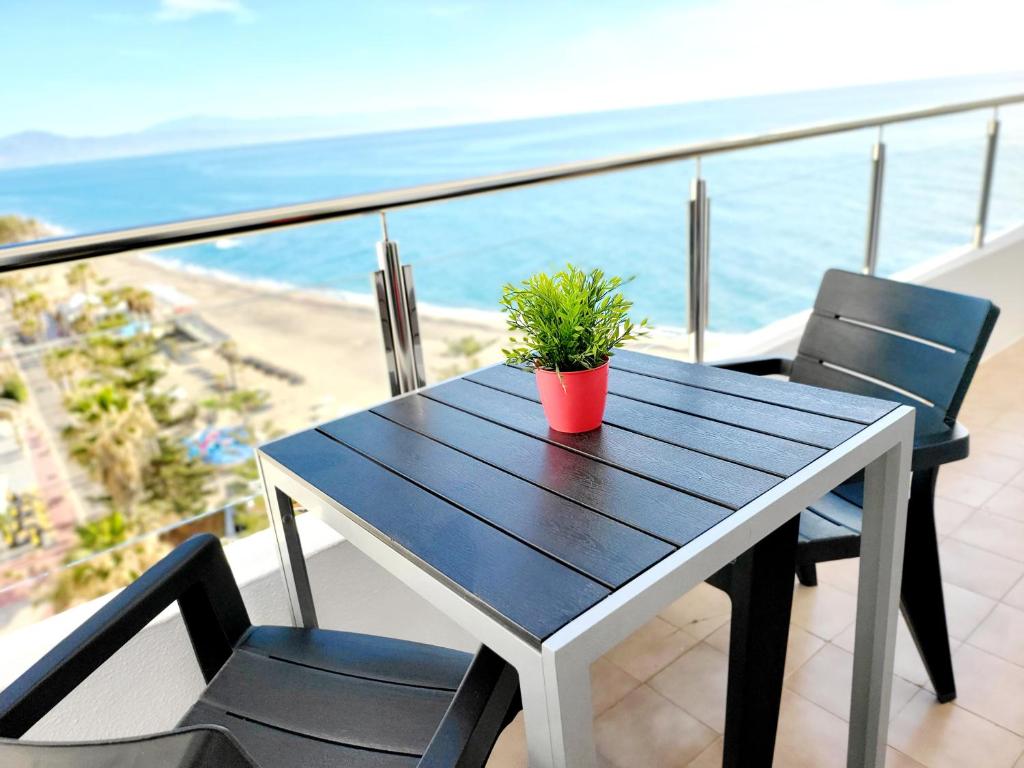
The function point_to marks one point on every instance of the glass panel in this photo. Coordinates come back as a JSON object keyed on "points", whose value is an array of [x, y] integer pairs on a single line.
{"points": [[932, 181], [780, 216], [136, 386], [1006, 206], [463, 252]]}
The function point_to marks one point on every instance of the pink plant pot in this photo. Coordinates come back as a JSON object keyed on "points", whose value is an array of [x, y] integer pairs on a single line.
{"points": [[573, 401]]}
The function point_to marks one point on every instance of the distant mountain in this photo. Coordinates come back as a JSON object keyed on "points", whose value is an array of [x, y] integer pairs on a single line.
{"points": [[30, 148]]}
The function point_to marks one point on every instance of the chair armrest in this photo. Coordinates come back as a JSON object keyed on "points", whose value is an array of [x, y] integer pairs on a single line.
{"points": [[932, 450], [758, 366], [487, 699], [196, 575]]}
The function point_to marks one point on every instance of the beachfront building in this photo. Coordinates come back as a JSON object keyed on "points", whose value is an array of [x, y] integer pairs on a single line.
{"points": [[349, 436]]}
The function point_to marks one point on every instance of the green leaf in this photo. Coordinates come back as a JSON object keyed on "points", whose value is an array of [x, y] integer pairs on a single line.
{"points": [[567, 322]]}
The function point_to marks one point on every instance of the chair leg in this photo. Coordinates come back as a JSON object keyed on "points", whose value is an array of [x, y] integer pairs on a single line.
{"points": [[761, 589], [808, 574], [921, 598]]}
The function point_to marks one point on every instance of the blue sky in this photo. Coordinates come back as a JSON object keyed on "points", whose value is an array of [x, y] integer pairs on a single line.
{"points": [[93, 68]]}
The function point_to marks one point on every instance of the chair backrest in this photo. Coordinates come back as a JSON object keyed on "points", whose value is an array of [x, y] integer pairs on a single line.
{"points": [[197, 747], [898, 341]]}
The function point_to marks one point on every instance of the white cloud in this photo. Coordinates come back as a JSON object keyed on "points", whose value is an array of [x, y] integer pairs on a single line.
{"points": [[740, 47], [182, 10]]}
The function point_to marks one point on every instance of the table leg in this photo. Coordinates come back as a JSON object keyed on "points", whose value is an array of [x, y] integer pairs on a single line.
{"points": [[281, 512], [535, 714], [761, 589], [886, 486], [570, 711]]}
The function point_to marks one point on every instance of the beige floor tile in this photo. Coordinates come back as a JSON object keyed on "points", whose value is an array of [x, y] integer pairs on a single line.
{"points": [[995, 533], [510, 749], [990, 687], [646, 729], [1012, 421], [978, 570], [948, 736], [720, 637], [1002, 633], [696, 681], [965, 610], [999, 441], [1015, 596], [1018, 481], [710, 757], [958, 485], [609, 683], [827, 681], [700, 611], [979, 417], [907, 662], [841, 574], [896, 759], [950, 515], [823, 610], [652, 648], [801, 645], [809, 736], [1009, 502], [992, 466]]}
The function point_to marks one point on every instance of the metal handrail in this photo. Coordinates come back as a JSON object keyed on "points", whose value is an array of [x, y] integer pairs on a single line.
{"points": [[168, 235]]}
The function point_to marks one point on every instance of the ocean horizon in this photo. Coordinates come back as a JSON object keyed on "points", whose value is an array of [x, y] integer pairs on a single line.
{"points": [[780, 215]]}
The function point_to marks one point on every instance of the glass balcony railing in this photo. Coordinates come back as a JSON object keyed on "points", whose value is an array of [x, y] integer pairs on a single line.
{"points": [[138, 375]]}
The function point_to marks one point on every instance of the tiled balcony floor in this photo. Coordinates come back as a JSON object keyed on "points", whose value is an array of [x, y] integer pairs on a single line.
{"points": [[659, 698]]}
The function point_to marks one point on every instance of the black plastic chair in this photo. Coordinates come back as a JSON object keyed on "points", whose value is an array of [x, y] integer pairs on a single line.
{"points": [[915, 345], [275, 696]]}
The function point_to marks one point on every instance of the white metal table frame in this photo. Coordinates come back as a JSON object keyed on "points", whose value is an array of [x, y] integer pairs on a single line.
{"points": [[555, 678]]}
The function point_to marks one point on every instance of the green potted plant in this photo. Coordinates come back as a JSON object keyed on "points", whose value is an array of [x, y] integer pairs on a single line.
{"points": [[565, 328]]}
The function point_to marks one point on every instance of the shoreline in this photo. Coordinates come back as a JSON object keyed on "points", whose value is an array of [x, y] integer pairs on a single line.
{"points": [[426, 310], [332, 339]]}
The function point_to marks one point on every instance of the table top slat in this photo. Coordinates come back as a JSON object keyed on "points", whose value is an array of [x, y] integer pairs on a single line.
{"points": [[825, 402], [657, 509], [630, 407], [512, 581], [466, 481], [713, 479], [600, 547], [799, 426]]}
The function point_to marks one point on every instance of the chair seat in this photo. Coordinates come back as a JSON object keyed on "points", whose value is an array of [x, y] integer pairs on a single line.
{"points": [[310, 697], [830, 527]]}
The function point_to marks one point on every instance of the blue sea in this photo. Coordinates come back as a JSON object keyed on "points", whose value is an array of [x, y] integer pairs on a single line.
{"points": [[779, 215]]}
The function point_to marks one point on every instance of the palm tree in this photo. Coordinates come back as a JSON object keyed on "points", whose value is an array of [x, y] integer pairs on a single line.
{"points": [[12, 282], [229, 351], [80, 275], [64, 365], [177, 485], [27, 310], [140, 301], [115, 439]]}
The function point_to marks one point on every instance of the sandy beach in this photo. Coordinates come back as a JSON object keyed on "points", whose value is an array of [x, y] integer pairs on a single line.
{"points": [[335, 345]]}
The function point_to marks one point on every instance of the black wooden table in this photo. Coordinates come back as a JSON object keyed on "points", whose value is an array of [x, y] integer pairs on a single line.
{"points": [[551, 548]]}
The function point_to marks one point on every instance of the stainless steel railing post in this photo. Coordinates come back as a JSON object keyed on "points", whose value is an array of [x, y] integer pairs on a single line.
{"points": [[874, 205], [396, 303], [699, 283], [986, 179]]}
